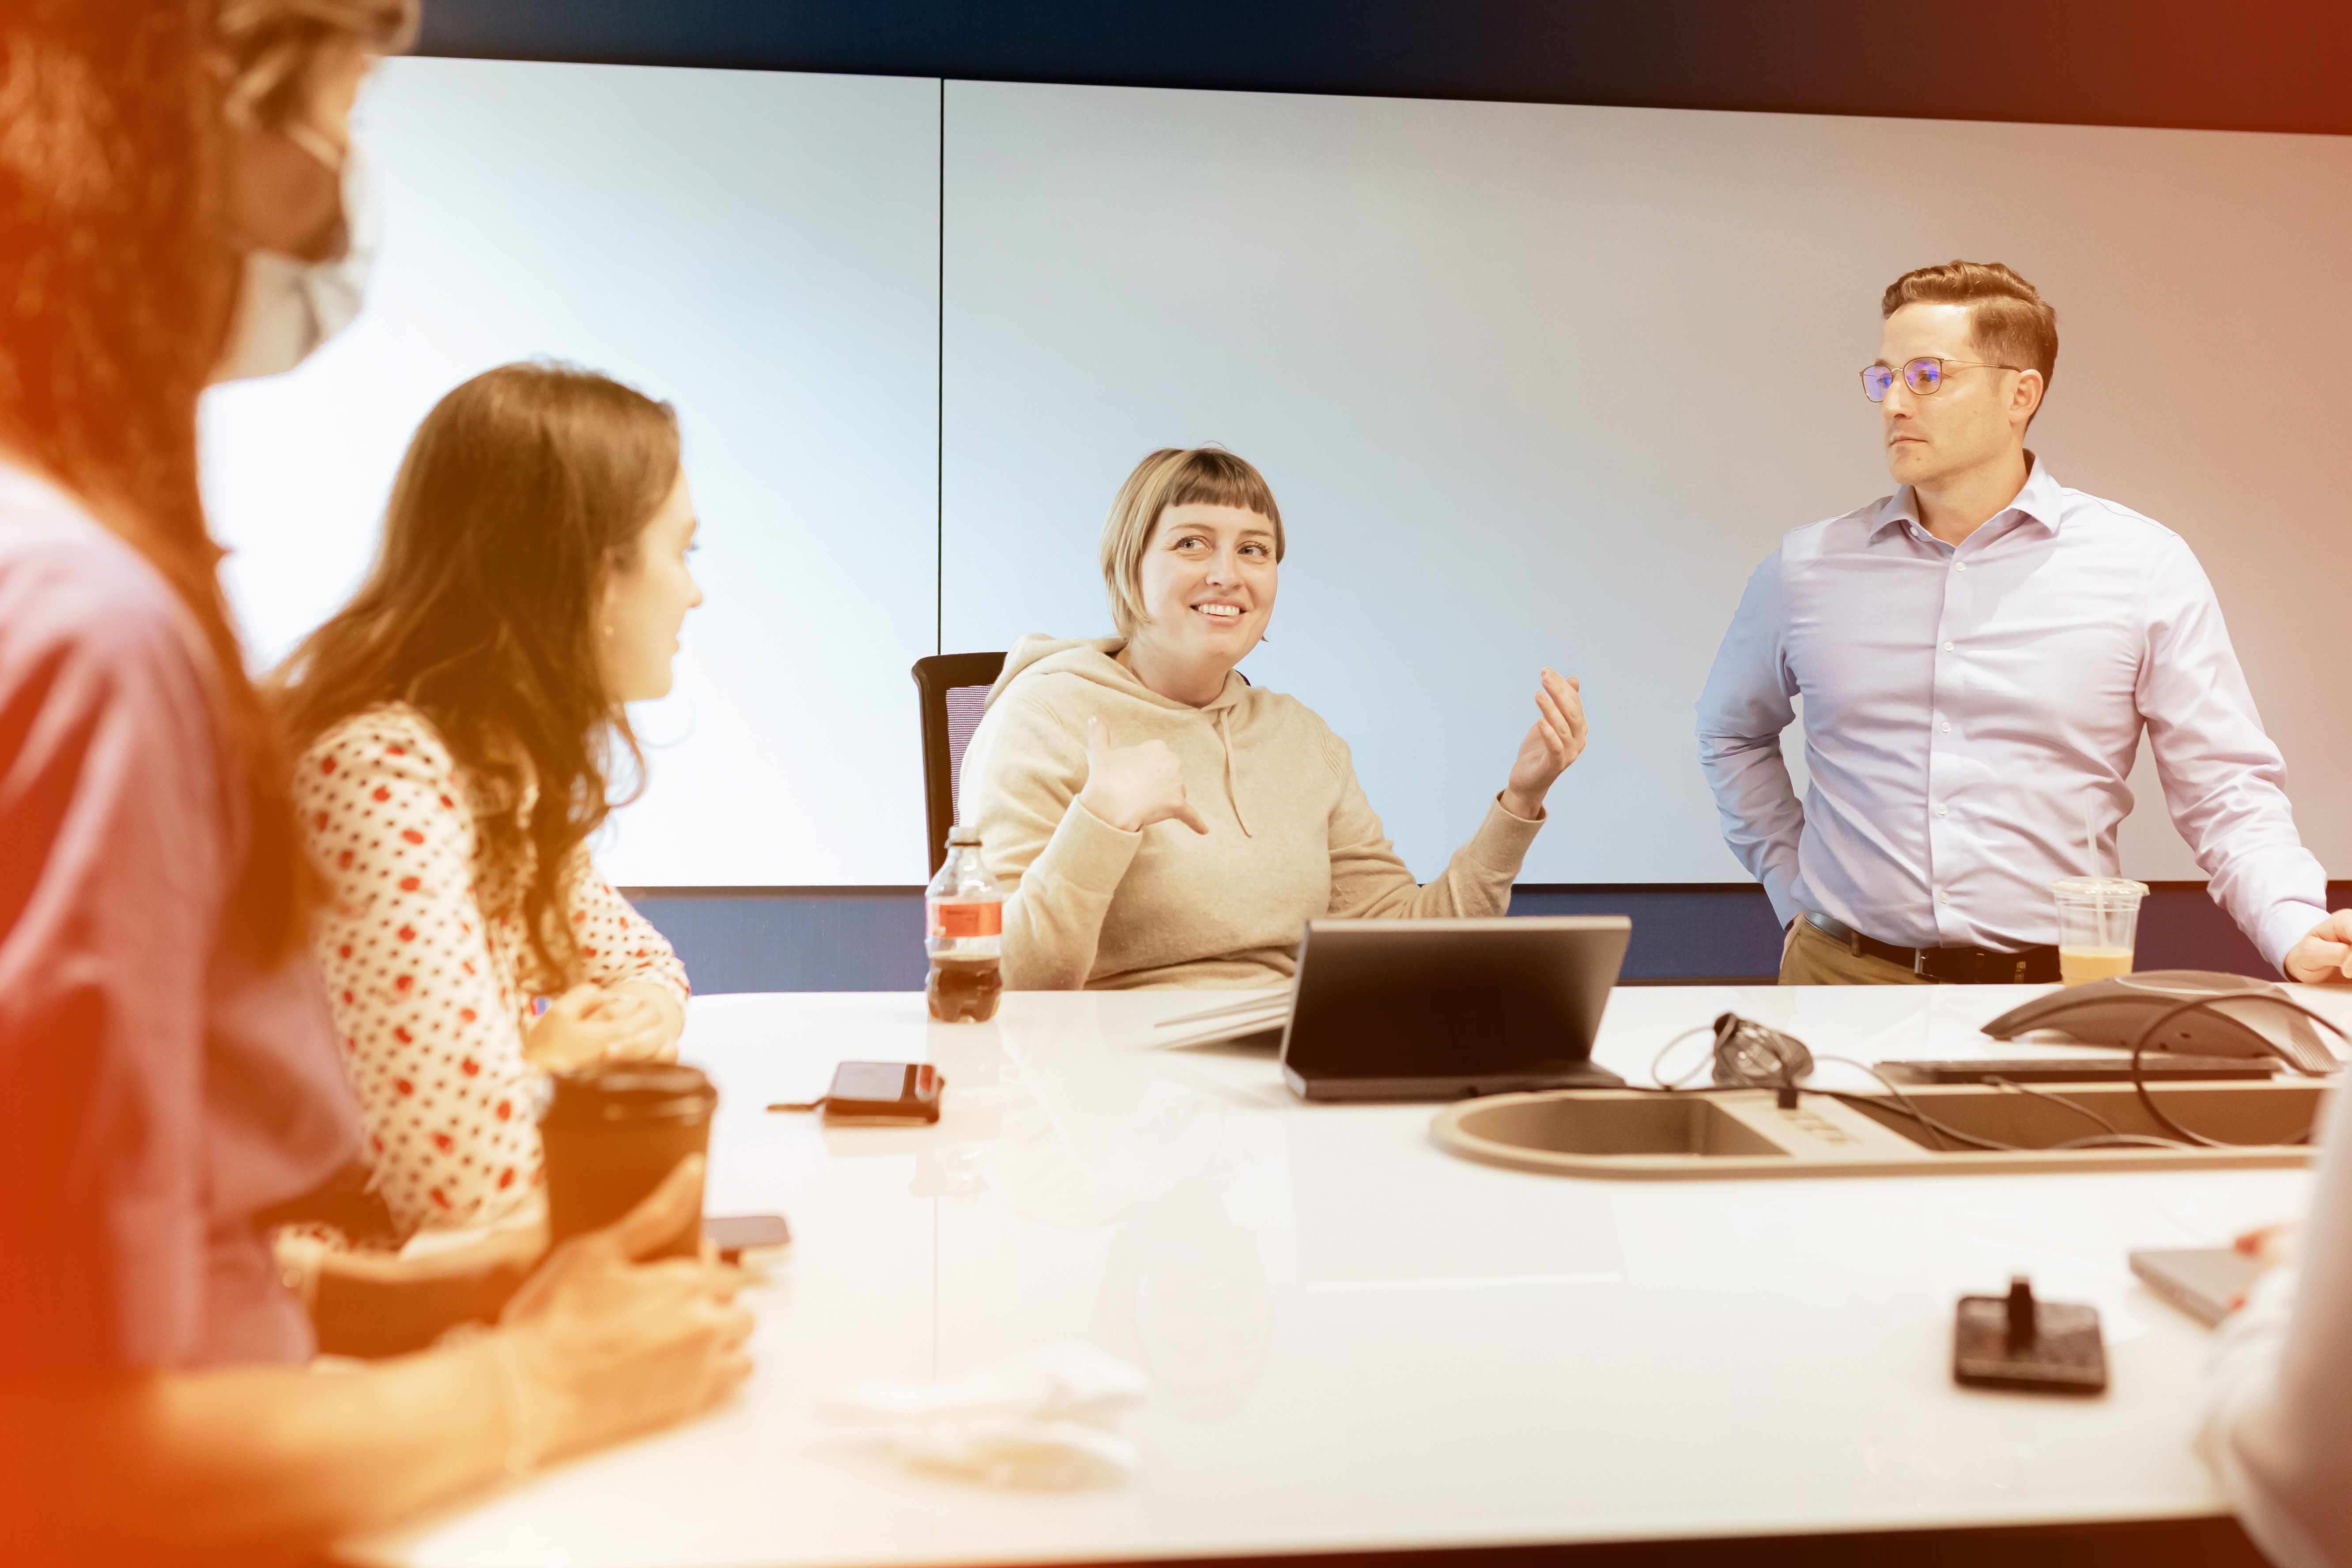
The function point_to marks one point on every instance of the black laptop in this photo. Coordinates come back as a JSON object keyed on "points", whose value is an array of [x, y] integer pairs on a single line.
{"points": [[1444, 1009]]}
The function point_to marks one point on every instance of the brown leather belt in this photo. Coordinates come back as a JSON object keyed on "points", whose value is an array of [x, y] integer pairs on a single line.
{"points": [[1948, 965]]}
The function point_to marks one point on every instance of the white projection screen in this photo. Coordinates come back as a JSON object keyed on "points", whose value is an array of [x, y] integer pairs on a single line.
{"points": [[1534, 385], [761, 250]]}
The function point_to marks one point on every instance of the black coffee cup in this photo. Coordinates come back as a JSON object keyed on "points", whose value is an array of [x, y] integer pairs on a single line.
{"points": [[611, 1133]]}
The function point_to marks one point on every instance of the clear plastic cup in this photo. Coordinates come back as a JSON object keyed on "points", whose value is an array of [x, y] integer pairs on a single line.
{"points": [[2098, 926]]}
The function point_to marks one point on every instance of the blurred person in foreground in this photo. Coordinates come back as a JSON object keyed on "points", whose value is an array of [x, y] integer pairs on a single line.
{"points": [[169, 1081], [2276, 1429]]}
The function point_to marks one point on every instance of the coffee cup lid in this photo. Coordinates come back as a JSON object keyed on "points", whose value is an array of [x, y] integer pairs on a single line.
{"points": [[2087, 888], [632, 1091]]}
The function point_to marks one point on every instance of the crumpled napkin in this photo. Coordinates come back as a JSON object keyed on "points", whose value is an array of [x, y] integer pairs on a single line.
{"points": [[1048, 1418]]}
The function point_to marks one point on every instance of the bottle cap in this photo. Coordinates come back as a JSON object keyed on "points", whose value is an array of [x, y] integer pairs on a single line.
{"points": [[963, 833]]}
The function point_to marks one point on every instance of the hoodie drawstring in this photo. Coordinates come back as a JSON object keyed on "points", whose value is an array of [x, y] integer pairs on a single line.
{"points": [[1233, 792]]}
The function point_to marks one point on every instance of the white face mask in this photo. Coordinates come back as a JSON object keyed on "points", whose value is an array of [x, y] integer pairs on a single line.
{"points": [[287, 308]]}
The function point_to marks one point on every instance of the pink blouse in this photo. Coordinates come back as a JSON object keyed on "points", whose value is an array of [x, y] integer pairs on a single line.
{"points": [[158, 1089], [431, 999]]}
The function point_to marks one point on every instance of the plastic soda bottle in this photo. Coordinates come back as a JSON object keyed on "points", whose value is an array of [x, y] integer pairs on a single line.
{"points": [[963, 931]]}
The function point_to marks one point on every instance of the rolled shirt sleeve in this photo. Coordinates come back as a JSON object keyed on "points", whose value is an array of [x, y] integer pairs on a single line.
{"points": [[2224, 780]]}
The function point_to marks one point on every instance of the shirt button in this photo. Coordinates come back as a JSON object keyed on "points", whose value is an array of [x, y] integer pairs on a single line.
{"points": [[1959, 566], [1948, 726], [1939, 808], [1942, 897], [1947, 647]]}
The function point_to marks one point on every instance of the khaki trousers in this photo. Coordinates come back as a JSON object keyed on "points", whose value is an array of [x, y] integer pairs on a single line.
{"points": [[1811, 957]]}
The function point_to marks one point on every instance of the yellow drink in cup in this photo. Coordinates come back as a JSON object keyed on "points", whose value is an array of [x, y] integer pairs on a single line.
{"points": [[2079, 964], [2098, 926]]}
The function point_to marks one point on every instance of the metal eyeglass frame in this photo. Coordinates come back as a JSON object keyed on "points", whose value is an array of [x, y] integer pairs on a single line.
{"points": [[1910, 378]]}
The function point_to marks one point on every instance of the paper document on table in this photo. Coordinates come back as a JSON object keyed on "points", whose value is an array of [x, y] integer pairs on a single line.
{"points": [[1230, 1021]]}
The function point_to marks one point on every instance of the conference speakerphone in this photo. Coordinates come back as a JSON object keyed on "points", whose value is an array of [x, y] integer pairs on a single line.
{"points": [[2191, 1010]]}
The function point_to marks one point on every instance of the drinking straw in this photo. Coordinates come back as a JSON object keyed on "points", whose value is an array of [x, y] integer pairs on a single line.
{"points": [[2098, 892]]}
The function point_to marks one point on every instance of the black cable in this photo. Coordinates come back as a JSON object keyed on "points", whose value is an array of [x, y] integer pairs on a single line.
{"points": [[1934, 1128], [1901, 1104], [2213, 1004], [2109, 1137], [1786, 1082], [1659, 1060], [2075, 1106]]}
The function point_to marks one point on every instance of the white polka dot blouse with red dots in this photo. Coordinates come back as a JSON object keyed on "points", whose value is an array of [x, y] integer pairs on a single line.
{"points": [[430, 1000]]}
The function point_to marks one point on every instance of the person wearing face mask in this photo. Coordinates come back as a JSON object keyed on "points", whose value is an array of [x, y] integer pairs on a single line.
{"points": [[1979, 654], [460, 716], [170, 1078], [299, 206], [1154, 818]]}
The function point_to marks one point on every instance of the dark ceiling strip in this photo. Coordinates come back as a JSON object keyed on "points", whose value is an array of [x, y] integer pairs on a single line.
{"points": [[2252, 65]]}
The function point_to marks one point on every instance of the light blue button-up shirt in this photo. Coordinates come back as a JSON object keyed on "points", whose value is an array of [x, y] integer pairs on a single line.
{"points": [[1961, 701]]}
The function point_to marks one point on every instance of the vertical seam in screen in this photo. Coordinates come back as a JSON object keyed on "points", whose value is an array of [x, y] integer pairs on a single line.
{"points": [[940, 376]]}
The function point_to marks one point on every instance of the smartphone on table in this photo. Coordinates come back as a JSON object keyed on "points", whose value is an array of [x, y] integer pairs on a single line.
{"points": [[2205, 1282]]}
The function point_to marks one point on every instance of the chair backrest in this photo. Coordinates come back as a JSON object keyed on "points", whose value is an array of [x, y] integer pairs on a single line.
{"points": [[953, 687]]}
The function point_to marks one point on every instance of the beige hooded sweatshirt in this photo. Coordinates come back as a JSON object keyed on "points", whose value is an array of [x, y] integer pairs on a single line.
{"points": [[1291, 837]]}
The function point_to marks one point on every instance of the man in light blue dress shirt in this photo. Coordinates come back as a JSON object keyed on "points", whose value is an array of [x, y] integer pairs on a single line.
{"points": [[1978, 654]]}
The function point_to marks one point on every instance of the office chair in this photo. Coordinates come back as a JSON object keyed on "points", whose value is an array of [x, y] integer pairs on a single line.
{"points": [[953, 687]]}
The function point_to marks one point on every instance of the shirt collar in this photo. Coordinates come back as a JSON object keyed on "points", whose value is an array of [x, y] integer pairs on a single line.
{"points": [[2041, 501]]}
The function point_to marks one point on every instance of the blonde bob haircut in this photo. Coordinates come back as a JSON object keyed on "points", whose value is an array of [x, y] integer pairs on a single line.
{"points": [[1173, 475]]}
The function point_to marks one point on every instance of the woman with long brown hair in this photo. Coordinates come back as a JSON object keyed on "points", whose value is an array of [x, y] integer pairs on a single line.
{"points": [[167, 1074], [460, 718]]}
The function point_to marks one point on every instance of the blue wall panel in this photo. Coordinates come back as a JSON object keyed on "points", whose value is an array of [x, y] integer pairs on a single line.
{"points": [[793, 939], [871, 939]]}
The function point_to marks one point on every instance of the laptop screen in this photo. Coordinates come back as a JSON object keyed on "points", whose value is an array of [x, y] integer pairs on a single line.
{"points": [[1447, 1000]]}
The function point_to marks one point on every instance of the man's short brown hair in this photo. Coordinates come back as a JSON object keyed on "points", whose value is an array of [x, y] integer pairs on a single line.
{"points": [[2008, 319], [1173, 475]]}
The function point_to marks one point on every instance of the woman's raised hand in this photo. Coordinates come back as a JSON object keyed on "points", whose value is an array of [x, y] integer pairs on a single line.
{"points": [[1131, 787], [597, 1346], [1556, 740]]}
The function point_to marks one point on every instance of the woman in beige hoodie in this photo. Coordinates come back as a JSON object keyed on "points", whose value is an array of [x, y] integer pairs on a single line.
{"points": [[1190, 848]]}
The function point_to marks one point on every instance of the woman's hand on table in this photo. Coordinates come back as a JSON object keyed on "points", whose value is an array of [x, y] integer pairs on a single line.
{"points": [[1131, 787], [598, 1346], [593, 1023], [1556, 740]]}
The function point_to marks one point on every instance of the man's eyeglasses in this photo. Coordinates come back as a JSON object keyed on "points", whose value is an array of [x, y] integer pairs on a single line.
{"points": [[1923, 376]]}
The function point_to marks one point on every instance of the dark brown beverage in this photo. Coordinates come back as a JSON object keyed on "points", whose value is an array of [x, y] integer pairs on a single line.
{"points": [[964, 989], [611, 1133]]}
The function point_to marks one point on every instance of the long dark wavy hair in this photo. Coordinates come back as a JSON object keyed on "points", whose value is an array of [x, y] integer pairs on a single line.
{"points": [[523, 490]]}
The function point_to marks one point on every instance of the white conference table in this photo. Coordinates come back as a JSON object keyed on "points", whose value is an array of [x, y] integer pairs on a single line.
{"points": [[1359, 1342]]}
